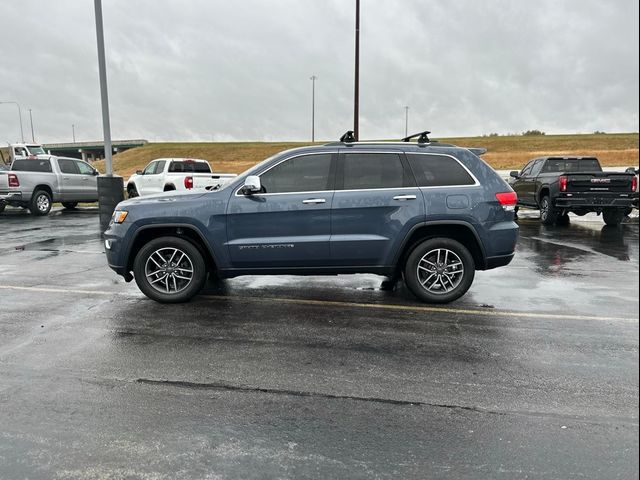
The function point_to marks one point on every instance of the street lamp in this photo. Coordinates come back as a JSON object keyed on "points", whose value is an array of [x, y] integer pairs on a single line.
{"points": [[73, 132], [406, 121], [33, 137], [313, 79], [19, 117]]}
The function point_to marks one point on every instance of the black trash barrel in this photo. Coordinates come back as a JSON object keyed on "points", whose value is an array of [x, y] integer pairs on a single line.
{"points": [[110, 193]]}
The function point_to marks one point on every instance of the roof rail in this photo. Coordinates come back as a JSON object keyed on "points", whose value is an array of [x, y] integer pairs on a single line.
{"points": [[348, 137], [423, 137]]}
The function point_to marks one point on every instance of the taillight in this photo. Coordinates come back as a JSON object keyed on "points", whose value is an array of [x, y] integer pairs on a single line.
{"points": [[13, 180], [188, 183], [562, 182], [634, 183], [508, 200]]}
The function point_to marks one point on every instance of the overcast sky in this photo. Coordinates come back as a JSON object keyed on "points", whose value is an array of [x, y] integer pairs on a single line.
{"points": [[239, 70]]}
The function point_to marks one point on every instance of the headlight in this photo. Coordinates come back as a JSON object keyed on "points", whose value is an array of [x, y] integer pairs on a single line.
{"points": [[119, 216]]}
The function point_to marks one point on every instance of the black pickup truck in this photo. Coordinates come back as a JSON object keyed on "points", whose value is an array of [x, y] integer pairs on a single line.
{"points": [[559, 185]]}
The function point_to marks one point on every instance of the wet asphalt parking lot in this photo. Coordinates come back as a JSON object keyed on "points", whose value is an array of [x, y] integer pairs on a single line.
{"points": [[532, 374]]}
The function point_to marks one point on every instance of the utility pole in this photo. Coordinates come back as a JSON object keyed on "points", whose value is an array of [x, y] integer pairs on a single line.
{"points": [[73, 132], [19, 118], [356, 93], [406, 121], [33, 137], [313, 79]]}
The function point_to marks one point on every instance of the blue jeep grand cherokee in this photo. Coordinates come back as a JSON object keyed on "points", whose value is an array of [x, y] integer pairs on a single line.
{"points": [[429, 212]]}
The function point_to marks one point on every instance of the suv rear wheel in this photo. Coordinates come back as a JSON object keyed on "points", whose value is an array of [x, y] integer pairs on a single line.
{"points": [[439, 270], [169, 270]]}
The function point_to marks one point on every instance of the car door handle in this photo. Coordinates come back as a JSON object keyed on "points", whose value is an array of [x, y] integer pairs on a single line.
{"points": [[314, 200], [404, 197], [65, 178]]}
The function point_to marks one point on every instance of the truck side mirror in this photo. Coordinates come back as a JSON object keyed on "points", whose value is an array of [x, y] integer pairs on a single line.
{"points": [[139, 172], [514, 174], [251, 185]]}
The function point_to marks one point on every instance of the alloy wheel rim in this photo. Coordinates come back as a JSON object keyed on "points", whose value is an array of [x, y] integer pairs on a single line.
{"points": [[440, 271], [43, 203], [169, 270]]}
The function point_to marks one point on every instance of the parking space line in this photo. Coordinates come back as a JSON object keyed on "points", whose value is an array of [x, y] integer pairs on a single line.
{"points": [[331, 303]]}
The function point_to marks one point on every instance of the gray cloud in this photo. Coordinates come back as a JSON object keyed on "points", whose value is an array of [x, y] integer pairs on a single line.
{"points": [[203, 70]]}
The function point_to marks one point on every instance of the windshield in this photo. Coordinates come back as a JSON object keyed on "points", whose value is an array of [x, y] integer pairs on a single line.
{"points": [[572, 165], [36, 150]]}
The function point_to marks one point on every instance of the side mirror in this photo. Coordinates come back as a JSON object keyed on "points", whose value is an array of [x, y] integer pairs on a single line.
{"points": [[251, 185], [514, 174], [96, 173], [139, 172]]}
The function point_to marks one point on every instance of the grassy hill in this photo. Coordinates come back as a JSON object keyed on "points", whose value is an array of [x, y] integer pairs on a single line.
{"points": [[504, 152]]}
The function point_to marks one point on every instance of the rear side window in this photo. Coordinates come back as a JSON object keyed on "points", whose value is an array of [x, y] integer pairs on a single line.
{"points": [[189, 166], [31, 166], [68, 166], [308, 173], [554, 165], [438, 170], [374, 170]]}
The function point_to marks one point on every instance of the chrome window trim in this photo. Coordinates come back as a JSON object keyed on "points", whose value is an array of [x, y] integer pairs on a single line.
{"points": [[330, 152], [473, 177]]}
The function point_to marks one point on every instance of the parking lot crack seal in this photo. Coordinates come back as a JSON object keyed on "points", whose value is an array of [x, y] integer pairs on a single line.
{"points": [[302, 393]]}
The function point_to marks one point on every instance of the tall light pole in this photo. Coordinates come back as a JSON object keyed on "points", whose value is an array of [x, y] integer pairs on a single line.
{"points": [[356, 92], [406, 121], [33, 137], [73, 132], [110, 187], [313, 79], [19, 118]]}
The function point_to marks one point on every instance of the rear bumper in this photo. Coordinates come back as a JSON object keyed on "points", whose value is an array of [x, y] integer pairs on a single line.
{"points": [[9, 197], [595, 201], [499, 261]]}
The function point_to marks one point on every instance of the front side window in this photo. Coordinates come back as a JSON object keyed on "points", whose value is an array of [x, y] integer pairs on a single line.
{"points": [[68, 166], [438, 171], [150, 169], [374, 170], [527, 169], [83, 168], [307, 173]]}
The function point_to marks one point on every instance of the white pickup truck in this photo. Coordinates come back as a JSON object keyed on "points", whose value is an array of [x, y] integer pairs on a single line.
{"points": [[38, 181], [166, 174]]}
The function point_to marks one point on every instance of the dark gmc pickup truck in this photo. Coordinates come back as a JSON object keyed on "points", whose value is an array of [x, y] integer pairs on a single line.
{"points": [[559, 185]]}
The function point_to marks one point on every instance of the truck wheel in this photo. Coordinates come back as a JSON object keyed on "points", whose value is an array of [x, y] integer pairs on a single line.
{"points": [[69, 205], [169, 270], [169, 188], [439, 270], [40, 203], [563, 219], [2, 207], [132, 191], [612, 216], [548, 213]]}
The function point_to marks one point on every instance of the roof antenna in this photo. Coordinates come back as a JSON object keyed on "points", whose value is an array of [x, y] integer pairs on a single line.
{"points": [[348, 137]]}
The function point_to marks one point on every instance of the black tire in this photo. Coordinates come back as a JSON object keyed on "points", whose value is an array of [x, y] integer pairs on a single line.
{"points": [[563, 220], [2, 207], [422, 265], [132, 191], [70, 205], [40, 203], [548, 213], [154, 276], [612, 216], [169, 188]]}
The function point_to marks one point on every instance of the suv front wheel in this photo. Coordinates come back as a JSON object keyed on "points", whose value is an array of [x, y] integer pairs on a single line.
{"points": [[169, 270], [439, 270]]}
